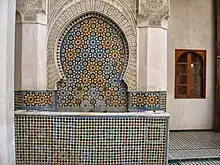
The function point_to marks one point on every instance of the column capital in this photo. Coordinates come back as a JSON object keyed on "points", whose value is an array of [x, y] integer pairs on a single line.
{"points": [[29, 9], [153, 13]]}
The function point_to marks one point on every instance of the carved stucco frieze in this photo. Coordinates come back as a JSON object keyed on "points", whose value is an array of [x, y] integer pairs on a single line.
{"points": [[30, 8], [153, 12], [71, 9], [129, 5], [51, 6], [30, 15], [125, 6]]}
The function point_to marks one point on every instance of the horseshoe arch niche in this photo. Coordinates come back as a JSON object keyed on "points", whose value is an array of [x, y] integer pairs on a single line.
{"points": [[92, 57], [122, 18]]}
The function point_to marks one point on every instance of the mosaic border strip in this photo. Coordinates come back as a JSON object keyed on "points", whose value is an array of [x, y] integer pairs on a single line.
{"points": [[35, 100], [163, 100], [18, 100], [146, 101], [113, 140]]}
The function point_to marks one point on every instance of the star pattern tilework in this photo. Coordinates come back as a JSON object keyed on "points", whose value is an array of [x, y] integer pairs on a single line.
{"points": [[92, 57], [37, 98], [144, 100]]}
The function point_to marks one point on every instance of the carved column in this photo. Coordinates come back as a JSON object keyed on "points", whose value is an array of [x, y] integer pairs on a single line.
{"points": [[31, 44], [217, 100], [152, 45]]}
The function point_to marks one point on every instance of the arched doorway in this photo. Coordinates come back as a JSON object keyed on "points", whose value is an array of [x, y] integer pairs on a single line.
{"points": [[93, 56]]}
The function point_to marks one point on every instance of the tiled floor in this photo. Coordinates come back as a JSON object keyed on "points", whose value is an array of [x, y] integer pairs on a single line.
{"points": [[210, 162], [201, 162], [194, 148]]}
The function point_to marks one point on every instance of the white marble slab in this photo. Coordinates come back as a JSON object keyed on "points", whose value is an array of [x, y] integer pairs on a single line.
{"points": [[47, 113]]}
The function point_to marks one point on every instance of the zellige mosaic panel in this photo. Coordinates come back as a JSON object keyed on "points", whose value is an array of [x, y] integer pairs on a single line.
{"points": [[35, 100], [142, 101], [90, 140], [92, 56]]}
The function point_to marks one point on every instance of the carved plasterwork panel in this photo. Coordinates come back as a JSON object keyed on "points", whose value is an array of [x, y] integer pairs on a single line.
{"points": [[125, 6], [73, 9], [30, 15], [154, 11], [29, 8]]}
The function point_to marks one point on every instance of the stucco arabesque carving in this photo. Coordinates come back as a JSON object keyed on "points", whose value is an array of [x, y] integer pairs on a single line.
{"points": [[30, 8], [153, 12], [127, 7], [54, 4], [68, 10]]}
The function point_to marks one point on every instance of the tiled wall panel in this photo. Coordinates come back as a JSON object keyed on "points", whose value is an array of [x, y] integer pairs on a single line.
{"points": [[42, 100], [87, 140], [47, 101], [146, 101], [92, 56]]}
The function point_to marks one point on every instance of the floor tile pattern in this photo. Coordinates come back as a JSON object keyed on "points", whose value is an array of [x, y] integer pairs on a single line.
{"points": [[198, 162], [199, 153], [208, 162], [194, 145], [90, 140], [193, 140]]}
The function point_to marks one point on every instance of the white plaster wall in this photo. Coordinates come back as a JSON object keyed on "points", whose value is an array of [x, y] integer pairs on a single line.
{"points": [[29, 56], [157, 59], [191, 26], [152, 59], [41, 57], [142, 37]]}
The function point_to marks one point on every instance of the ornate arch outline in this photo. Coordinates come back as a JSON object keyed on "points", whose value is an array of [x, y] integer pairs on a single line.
{"points": [[78, 20], [77, 9]]}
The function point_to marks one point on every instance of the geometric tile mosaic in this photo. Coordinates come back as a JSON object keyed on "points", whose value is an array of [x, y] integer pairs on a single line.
{"points": [[139, 101], [198, 162], [207, 162], [194, 145], [41, 100], [44, 100], [163, 100], [37, 99], [92, 57], [193, 140], [90, 140], [194, 154], [18, 99]]}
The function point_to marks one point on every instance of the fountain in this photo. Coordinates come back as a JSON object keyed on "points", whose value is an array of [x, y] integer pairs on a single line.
{"points": [[92, 117]]}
